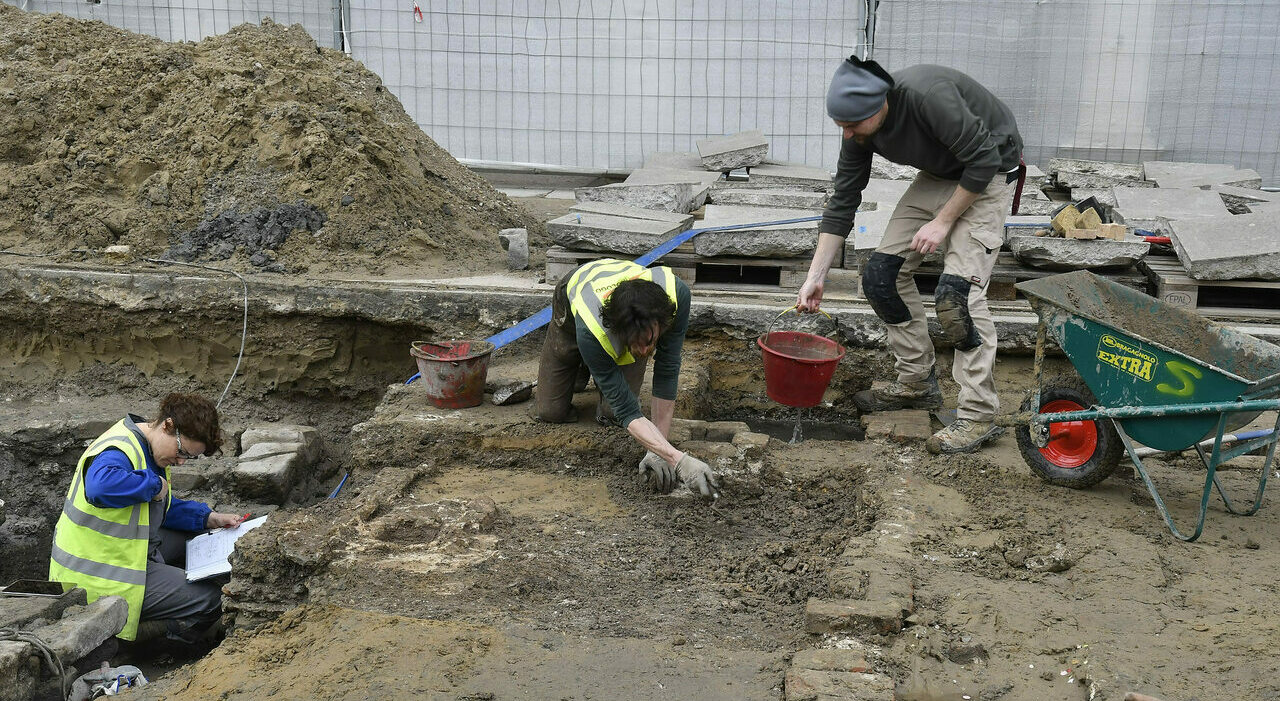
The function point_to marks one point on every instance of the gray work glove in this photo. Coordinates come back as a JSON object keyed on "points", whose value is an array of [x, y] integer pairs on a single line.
{"points": [[698, 477], [660, 474]]}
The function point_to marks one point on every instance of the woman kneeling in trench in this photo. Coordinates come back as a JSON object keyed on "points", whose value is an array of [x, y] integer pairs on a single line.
{"points": [[123, 533], [612, 315]]}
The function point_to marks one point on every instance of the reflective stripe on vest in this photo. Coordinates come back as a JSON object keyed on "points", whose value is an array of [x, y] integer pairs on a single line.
{"points": [[104, 550], [590, 285]]}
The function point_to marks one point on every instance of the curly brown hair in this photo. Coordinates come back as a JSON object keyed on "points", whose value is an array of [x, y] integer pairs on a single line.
{"points": [[195, 416]]}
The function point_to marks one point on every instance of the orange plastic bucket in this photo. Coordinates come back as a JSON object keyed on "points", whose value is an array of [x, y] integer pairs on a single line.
{"points": [[453, 372], [798, 366]]}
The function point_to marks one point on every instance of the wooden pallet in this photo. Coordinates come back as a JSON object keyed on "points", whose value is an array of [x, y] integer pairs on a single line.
{"points": [[703, 271], [1008, 271], [1173, 286]]}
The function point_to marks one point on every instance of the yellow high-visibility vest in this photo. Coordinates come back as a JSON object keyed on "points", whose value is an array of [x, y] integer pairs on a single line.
{"points": [[590, 285], [104, 551]]}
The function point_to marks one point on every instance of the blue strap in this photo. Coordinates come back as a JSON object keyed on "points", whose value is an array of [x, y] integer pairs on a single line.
{"points": [[541, 318]]}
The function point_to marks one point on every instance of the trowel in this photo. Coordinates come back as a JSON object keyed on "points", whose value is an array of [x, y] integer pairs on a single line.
{"points": [[513, 392]]}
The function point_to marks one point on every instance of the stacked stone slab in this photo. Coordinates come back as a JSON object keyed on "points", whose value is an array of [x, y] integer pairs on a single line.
{"points": [[668, 197], [1229, 247], [1062, 254], [588, 231], [663, 176], [775, 241], [1074, 172], [725, 153], [274, 460], [69, 625], [1148, 208], [791, 175], [770, 197]]}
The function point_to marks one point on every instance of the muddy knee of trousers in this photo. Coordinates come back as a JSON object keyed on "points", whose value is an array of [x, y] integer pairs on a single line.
{"points": [[880, 286], [952, 304]]}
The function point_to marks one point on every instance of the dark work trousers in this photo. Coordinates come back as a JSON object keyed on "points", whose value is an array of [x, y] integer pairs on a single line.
{"points": [[560, 363], [187, 608]]}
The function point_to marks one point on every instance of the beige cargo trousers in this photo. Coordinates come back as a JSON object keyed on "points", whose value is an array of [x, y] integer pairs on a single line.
{"points": [[970, 253]]}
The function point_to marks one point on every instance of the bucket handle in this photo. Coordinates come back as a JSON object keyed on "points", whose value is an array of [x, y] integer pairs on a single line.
{"points": [[793, 308]]}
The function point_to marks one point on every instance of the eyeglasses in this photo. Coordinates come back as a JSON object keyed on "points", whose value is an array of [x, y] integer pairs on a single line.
{"points": [[182, 453]]}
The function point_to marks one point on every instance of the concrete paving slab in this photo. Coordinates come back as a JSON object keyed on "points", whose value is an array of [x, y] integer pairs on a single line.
{"points": [[1034, 173], [601, 232], [1108, 169], [741, 150], [884, 192], [792, 176], [678, 160], [1259, 207], [770, 197], [1230, 247], [1037, 207], [1160, 172], [1141, 205], [1238, 178], [629, 212], [1105, 195], [669, 197], [778, 241], [658, 176], [868, 230], [1053, 253], [1075, 179]]}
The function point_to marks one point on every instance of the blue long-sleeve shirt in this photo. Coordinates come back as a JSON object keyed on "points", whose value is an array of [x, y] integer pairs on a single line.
{"points": [[111, 482]]}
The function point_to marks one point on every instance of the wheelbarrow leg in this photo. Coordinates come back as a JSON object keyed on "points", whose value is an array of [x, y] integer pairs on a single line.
{"points": [[1155, 493], [1241, 450]]}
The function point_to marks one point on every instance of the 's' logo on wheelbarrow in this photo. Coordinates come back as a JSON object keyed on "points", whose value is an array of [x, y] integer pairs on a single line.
{"points": [[1126, 357]]}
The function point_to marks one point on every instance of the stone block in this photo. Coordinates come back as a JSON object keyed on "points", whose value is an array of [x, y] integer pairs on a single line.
{"points": [[873, 579], [668, 197], [1065, 254], [882, 167], [19, 611], [724, 431], [187, 477], [1103, 195], [19, 670], [697, 428], [677, 160], [857, 616], [1092, 181], [767, 197], [751, 443], [802, 684], [278, 433], [792, 176], [1230, 247], [717, 454], [81, 629], [1033, 206], [831, 660], [1118, 171], [1134, 204], [771, 241], [516, 243], [629, 212], [269, 479], [902, 426], [661, 176], [741, 150], [1034, 174], [600, 232]]}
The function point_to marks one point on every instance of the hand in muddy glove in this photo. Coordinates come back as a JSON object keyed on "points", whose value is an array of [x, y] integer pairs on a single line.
{"points": [[660, 474], [698, 477]]}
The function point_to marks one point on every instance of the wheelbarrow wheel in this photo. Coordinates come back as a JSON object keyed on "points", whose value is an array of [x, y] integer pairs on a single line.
{"points": [[1078, 454]]}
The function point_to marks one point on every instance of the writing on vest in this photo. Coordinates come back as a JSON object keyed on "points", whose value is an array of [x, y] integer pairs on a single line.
{"points": [[104, 550], [590, 285]]}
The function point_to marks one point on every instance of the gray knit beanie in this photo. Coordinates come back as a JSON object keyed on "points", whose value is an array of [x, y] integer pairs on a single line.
{"points": [[856, 91]]}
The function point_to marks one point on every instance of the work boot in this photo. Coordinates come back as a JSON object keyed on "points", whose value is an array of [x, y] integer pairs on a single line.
{"points": [[901, 395], [963, 436], [604, 417]]}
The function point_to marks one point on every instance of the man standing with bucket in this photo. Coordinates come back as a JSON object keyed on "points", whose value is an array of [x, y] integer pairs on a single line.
{"points": [[966, 144], [612, 315]]}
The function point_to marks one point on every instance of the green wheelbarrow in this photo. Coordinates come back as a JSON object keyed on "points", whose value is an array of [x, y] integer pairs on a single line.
{"points": [[1148, 373]]}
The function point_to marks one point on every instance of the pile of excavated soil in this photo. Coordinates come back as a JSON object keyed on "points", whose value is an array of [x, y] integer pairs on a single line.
{"points": [[255, 147]]}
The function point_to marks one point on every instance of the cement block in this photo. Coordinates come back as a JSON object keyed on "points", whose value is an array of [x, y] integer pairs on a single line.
{"points": [[600, 232], [1163, 172], [794, 199], [741, 150], [1106, 169], [775, 241], [677, 160], [1052, 253], [1230, 247], [792, 176], [661, 176], [80, 630], [268, 479], [882, 167], [879, 617], [831, 660], [1137, 204], [724, 431], [669, 197], [19, 670], [802, 684], [516, 243], [629, 212]]}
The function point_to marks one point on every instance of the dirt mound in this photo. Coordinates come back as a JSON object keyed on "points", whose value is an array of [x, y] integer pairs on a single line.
{"points": [[255, 145]]}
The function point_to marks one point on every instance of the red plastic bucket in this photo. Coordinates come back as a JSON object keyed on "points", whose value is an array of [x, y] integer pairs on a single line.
{"points": [[453, 372], [798, 366]]}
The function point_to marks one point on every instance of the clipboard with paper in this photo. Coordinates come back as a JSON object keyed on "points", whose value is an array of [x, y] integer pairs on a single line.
{"points": [[208, 553]]}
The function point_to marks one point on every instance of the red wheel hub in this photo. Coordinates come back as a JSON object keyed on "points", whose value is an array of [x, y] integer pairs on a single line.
{"points": [[1071, 443]]}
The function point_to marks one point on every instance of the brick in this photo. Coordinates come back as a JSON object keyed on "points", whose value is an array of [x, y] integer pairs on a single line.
{"points": [[853, 616], [902, 426], [831, 660], [1116, 232], [820, 685], [696, 427]]}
